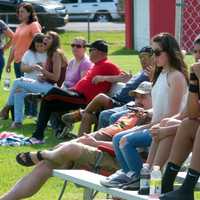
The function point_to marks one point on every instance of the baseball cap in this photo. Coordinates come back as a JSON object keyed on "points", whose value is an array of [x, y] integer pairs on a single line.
{"points": [[144, 88], [100, 45], [146, 49]]}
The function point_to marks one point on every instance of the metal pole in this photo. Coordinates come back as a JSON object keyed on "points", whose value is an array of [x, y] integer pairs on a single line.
{"points": [[179, 20], [88, 28]]}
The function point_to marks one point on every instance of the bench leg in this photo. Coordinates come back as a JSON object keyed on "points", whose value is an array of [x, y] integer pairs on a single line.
{"points": [[63, 190], [89, 194]]}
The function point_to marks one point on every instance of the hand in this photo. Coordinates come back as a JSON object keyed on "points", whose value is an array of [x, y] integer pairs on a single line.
{"points": [[97, 79], [125, 77], [149, 71], [155, 131], [37, 67], [41, 78], [195, 68], [8, 68], [88, 140]]}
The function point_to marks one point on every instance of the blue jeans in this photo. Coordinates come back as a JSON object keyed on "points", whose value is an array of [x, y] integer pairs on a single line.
{"points": [[2, 62], [18, 72], [109, 116], [126, 154], [26, 86]]}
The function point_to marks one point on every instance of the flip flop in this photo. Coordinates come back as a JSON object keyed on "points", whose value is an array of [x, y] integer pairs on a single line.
{"points": [[27, 160]]}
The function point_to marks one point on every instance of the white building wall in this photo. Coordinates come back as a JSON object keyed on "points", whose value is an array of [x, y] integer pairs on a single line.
{"points": [[141, 24]]}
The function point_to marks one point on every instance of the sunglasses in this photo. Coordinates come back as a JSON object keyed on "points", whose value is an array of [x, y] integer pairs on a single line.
{"points": [[77, 46], [157, 52]]}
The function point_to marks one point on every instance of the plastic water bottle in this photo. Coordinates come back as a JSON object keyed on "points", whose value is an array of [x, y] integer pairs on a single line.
{"points": [[155, 183], [145, 175], [7, 82]]}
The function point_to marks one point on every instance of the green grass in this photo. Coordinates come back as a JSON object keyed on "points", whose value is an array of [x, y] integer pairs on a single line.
{"points": [[10, 172]]}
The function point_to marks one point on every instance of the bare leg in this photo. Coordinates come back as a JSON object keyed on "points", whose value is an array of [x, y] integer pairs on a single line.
{"points": [[67, 153], [100, 102], [157, 150], [86, 123], [61, 157], [64, 153], [183, 142], [152, 153], [165, 144], [163, 151], [31, 183]]}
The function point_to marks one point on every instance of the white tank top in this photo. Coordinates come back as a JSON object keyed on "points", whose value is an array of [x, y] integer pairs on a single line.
{"points": [[160, 97]]}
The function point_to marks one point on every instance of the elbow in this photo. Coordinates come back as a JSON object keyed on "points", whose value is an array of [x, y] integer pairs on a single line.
{"points": [[193, 115]]}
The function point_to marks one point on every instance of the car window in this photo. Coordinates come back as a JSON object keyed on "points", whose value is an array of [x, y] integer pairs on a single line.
{"points": [[69, 1], [89, 1], [106, 0]]}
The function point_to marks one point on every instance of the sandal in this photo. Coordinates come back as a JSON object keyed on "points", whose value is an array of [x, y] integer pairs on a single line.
{"points": [[33, 140], [26, 160]]}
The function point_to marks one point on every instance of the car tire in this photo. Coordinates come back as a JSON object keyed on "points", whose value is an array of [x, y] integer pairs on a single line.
{"points": [[102, 17]]}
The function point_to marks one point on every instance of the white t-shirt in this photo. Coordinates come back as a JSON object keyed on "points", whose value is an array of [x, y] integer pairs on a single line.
{"points": [[160, 97], [30, 58]]}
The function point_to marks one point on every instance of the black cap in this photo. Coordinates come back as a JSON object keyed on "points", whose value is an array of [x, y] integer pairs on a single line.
{"points": [[146, 49], [100, 45]]}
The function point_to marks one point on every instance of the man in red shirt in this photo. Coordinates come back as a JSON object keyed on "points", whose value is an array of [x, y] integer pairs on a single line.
{"points": [[58, 100]]}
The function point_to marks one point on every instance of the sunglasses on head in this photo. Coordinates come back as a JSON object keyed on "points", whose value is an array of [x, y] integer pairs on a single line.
{"points": [[157, 52], [77, 46]]}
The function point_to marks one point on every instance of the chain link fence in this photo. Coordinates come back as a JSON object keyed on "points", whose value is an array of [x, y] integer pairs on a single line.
{"points": [[85, 22], [188, 23]]}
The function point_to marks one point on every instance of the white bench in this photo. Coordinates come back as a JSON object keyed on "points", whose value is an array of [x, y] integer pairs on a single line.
{"points": [[91, 182]]}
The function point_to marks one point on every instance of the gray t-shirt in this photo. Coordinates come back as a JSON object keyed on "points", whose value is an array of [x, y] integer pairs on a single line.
{"points": [[3, 27]]}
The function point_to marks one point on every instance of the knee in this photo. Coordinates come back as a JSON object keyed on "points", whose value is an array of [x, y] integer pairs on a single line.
{"points": [[116, 140], [122, 142], [102, 98], [70, 149], [164, 121], [103, 115], [44, 168], [112, 119]]}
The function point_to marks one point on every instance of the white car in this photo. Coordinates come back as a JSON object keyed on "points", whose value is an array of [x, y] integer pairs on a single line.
{"points": [[97, 10]]}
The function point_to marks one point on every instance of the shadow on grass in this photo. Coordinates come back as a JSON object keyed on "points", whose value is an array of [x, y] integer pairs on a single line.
{"points": [[124, 51]]}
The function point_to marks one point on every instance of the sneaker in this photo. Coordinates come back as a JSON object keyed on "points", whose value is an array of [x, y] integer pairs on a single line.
{"points": [[116, 180], [134, 183], [117, 173], [72, 117]]}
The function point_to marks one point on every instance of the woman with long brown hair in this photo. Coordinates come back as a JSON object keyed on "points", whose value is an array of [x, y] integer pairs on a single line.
{"points": [[53, 72], [169, 94], [23, 36]]}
